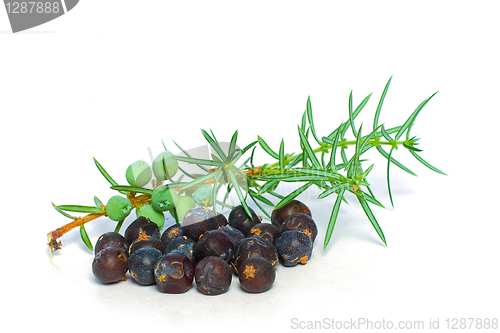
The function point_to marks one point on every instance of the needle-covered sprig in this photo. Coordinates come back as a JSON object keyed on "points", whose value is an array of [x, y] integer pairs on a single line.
{"points": [[348, 175], [316, 164]]}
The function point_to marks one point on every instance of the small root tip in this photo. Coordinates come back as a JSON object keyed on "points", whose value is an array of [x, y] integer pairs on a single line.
{"points": [[52, 261], [53, 245]]}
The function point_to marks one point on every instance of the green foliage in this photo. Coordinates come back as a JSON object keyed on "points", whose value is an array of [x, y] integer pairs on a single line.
{"points": [[331, 177], [85, 238]]}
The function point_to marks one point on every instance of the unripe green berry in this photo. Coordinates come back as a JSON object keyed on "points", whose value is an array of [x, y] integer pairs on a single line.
{"points": [[184, 204], [118, 208], [203, 195], [164, 198], [138, 173], [150, 213], [164, 162]]}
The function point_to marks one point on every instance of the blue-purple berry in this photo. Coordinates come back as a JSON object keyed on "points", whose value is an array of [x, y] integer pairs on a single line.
{"points": [[142, 263], [294, 247]]}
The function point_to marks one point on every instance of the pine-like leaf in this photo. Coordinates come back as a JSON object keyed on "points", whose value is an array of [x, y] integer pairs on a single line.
{"points": [[333, 217], [85, 238], [398, 164], [409, 122], [268, 185], [214, 144], [351, 116], [187, 155], [310, 118], [371, 217], [323, 173], [64, 213], [105, 173], [332, 190], [239, 192], [199, 181], [232, 144], [282, 156], [308, 150], [266, 148], [388, 176], [424, 162], [97, 202], [81, 209], [333, 153], [197, 161], [292, 195], [380, 103], [254, 199], [131, 189]]}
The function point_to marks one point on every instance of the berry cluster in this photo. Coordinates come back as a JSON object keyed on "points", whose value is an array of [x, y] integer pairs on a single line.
{"points": [[163, 198], [208, 248]]}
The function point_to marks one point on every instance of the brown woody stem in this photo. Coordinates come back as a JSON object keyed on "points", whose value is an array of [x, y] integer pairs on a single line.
{"points": [[52, 236]]}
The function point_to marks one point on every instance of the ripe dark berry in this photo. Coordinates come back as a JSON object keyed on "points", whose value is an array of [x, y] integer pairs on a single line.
{"points": [[197, 214], [255, 247], [141, 265], [110, 239], [146, 241], [294, 247], [110, 265], [184, 245], [234, 234], [256, 274], [141, 224], [301, 222], [213, 276], [239, 219], [170, 233], [267, 231], [214, 243], [174, 273], [200, 220], [295, 206]]}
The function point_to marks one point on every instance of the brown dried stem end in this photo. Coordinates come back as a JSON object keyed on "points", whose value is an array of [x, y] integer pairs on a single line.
{"points": [[256, 232], [52, 236], [138, 200], [174, 232], [256, 171], [249, 272], [142, 236]]}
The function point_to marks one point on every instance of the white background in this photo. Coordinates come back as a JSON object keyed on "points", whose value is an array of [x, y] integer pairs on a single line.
{"points": [[112, 78]]}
